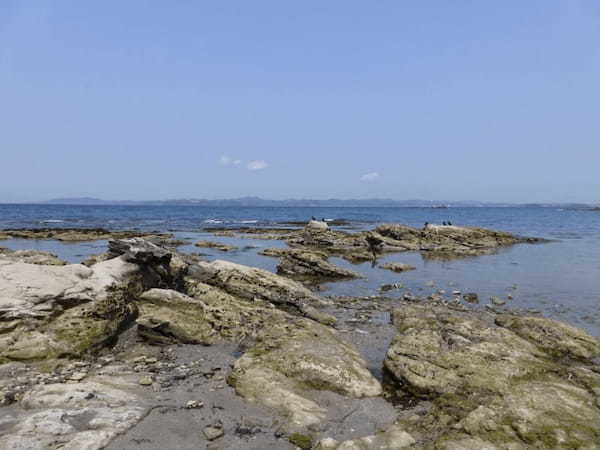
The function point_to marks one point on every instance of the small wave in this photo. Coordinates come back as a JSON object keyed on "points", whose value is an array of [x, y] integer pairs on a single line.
{"points": [[52, 221], [213, 221], [248, 221]]}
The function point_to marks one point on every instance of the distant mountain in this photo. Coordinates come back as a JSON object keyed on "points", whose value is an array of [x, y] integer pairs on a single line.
{"points": [[257, 201]]}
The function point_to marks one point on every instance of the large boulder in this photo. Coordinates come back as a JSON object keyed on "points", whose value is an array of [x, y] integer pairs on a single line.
{"points": [[513, 384], [251, 283], [32, 290], [65, 311]]}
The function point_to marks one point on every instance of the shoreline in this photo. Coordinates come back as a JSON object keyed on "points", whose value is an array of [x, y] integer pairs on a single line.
{"points": [[193, 343]]}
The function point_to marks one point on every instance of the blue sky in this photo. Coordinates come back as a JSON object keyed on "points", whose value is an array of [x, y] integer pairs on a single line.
{"points": [[461, 100]]}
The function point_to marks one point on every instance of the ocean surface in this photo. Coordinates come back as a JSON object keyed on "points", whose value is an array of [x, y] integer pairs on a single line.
{"points": [[560, 278]]}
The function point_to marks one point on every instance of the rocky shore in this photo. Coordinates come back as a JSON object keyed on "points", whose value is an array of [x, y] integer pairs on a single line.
{"points": [[147, 347]]}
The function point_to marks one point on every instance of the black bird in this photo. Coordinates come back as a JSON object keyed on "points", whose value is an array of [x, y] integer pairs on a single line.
{"points": [[449, 223], [313, 218]]}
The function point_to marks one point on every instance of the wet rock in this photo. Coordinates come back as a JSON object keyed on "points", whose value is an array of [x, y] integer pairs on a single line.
{"points": [[216, 245], [492, 387], [389, 287], [397, 267], [252, 283], [471, 297], [497, 301], [308, 265]]}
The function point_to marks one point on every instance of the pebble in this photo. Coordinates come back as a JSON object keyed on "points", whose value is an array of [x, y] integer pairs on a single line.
{"points": [[194, 404], [471, 297], [145, 381], [497, 301], [213, 432], [78, 376]]}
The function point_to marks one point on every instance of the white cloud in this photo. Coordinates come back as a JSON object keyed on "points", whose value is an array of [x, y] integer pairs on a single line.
{"points": [[229, 161], [257, 165], [371, 176]]}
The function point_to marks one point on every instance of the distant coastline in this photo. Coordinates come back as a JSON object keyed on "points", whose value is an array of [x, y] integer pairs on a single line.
{"points": [[331, 203]]}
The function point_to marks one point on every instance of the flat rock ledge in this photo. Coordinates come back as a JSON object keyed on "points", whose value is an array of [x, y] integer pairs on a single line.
{"points": [[515, 383], [77, 234], [308, 265]]}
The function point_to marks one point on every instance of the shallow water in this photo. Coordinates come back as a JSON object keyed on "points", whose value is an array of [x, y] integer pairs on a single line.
{"points": [[560, 278]]}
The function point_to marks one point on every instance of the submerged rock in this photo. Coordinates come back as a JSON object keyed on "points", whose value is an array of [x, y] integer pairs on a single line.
{"points": [[308, 265], [493, 387], [397, 267], [216, 245]]}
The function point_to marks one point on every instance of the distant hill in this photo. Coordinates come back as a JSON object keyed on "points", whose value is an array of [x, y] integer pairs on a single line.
{"points": [[257, 201]]}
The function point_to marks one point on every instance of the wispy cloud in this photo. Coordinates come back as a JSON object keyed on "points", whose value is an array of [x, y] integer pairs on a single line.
{"points": [[229, 161], [371, 176], [257, 165]]}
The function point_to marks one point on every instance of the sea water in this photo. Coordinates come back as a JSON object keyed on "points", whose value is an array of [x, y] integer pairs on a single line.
{"points": [[560, 278]]}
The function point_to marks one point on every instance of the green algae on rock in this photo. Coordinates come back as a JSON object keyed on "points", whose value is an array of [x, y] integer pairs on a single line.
{"points": [[494, 388], [251, 283], [292, 359]]}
